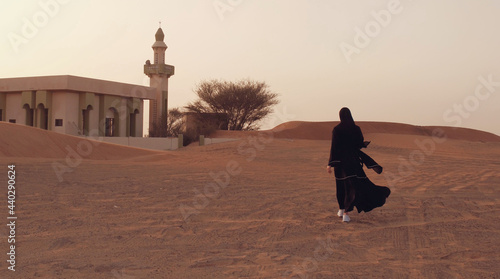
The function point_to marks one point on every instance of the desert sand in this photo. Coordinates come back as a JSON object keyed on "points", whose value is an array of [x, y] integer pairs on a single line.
{"points": [[259, 207]]}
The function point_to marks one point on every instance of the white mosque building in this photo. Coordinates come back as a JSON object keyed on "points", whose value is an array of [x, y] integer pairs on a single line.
{"points": [[85, 106]]}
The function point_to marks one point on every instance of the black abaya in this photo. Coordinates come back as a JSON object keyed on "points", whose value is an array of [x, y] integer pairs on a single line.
{"points": [[354, 189]]}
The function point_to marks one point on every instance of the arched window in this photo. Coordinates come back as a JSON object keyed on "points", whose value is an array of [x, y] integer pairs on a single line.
{"points": [[86, 120], [42, 117], [111, 123], [29, 115], [133, 123]]}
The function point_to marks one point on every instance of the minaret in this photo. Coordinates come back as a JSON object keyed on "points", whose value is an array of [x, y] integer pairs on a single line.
{"points": [[158, 74]]}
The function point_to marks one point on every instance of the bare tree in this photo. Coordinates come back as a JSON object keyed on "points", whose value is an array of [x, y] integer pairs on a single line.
{"points": [[245, 102]]}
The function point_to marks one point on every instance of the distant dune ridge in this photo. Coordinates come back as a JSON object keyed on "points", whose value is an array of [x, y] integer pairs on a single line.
{"points": [[323, 131], [24, 141]]}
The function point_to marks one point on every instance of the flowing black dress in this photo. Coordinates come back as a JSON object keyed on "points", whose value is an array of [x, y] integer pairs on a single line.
{"points": [[354, 189]]}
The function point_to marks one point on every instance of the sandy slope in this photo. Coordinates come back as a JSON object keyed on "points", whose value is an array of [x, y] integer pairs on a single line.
{"points": [[273, 216], [22, 141]]}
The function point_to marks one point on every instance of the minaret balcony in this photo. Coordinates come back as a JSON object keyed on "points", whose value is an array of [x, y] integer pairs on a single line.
{"points": [[159, 69]]}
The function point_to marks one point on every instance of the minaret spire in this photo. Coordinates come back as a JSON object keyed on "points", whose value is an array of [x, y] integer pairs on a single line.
{"points": [[159, 72]]}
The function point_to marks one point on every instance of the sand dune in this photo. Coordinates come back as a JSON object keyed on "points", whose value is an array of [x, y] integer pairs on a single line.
{"points": [[23, 141], [259, 207], [323, 131], [28, 142]]}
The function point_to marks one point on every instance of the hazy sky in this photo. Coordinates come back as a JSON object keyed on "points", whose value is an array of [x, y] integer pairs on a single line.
{"points": [[418, 62]]}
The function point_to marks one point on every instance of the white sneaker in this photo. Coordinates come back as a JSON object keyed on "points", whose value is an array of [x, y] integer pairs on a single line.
{"points": [[340, 213], [346, 218]]}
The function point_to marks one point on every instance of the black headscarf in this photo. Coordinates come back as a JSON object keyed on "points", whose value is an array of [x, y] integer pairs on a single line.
{"points": [[346, 117], [347, 134], [347, 139]]}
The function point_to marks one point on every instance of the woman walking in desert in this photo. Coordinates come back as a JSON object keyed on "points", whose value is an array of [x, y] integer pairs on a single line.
{"points": [[353, 186]]}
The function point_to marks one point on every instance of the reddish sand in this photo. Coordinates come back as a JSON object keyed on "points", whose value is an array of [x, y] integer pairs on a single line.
{"points": [[117, 212]]}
